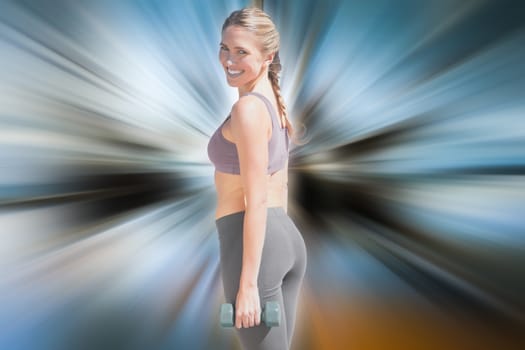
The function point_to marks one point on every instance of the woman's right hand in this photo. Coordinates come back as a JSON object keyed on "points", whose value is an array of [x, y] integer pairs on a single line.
{"points": [[247, 307]]}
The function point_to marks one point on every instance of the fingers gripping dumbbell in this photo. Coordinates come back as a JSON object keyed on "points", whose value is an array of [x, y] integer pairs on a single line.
{"points": [[270, 315]]}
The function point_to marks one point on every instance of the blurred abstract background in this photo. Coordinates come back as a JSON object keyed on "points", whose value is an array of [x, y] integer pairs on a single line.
{"points": [[410, 192]]}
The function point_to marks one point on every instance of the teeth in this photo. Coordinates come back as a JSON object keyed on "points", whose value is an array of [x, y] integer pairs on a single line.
{"points": [[234, 71]]}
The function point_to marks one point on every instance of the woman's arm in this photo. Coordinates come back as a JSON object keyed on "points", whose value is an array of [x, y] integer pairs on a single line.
{"points": [[249, 127]]}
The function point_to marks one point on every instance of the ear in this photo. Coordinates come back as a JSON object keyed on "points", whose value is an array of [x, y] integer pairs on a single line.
{"points": [[269, 58]]}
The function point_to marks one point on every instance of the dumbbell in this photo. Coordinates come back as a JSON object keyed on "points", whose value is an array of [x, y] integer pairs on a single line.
{"points": [[270, 315]]}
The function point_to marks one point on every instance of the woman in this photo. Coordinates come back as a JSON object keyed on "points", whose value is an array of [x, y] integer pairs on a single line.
{"points": [[263, 255]]}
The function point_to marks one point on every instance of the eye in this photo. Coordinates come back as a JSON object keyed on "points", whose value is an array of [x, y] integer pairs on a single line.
{"points": [[223, 48], [242, 52]]}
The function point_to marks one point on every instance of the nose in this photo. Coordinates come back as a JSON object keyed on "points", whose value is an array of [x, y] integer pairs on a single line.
{"points": [[229, 62]]}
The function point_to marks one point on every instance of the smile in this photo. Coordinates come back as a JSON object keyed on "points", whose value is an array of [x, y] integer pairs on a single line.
{"points": [[234, 73]]}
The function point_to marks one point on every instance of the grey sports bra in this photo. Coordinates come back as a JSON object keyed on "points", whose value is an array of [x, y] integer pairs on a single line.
{"points": [[223, 153]]}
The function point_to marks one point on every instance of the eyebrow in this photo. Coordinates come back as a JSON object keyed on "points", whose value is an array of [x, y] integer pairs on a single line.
{"points": [[236, 47]]}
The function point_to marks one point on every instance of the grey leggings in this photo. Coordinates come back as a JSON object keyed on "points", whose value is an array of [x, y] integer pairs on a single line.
{"points": [[283, 265]]}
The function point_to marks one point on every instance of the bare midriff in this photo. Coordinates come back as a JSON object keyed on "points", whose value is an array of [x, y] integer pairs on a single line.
{"points": [[230, 194]]}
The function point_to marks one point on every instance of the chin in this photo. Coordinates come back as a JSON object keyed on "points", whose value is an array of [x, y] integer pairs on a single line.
{"points": [[232, 83]]}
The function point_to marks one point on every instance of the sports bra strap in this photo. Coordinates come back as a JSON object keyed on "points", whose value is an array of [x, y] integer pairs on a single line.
{"points": [[269, 106]]}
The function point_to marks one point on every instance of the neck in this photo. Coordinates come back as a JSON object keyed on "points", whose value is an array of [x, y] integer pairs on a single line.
{"points": [[262, 85]]}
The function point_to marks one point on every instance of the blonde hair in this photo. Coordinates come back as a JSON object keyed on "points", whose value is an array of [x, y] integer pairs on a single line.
{"points": [[260, 23]]}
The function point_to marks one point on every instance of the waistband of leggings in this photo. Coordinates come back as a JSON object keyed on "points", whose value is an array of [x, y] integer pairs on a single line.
{"points": [[271, 211]]}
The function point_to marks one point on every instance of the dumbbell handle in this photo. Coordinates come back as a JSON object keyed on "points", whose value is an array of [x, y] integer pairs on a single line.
{"points": [[270, 315]]}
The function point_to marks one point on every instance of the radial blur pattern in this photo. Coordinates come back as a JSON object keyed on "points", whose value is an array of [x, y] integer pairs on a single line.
{"points": [[409, 190]]}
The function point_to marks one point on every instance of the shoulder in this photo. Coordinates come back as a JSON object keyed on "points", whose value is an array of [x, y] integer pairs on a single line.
{"points": [[249, 121], [248, 109]]}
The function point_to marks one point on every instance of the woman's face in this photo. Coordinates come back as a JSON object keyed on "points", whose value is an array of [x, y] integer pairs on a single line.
{"points": [[241, 57]]}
